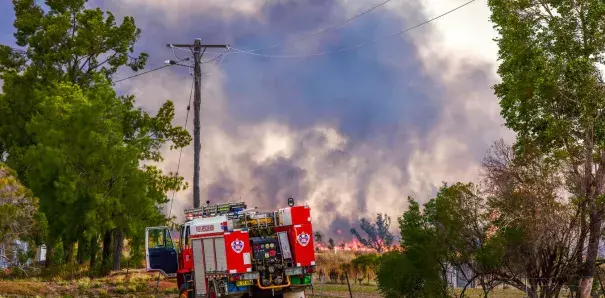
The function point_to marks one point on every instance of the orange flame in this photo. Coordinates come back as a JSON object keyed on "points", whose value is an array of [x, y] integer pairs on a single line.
{"points": [[353, 245]]}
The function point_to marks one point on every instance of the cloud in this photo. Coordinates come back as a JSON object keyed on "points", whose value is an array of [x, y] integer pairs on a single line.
{"points": [[350, 134]]}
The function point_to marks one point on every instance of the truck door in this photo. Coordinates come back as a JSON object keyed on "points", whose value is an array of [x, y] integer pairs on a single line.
{"points": [[160, 252]]}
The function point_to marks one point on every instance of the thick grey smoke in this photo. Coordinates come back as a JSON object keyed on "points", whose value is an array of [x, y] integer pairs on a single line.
{"points": [[350, 134]]}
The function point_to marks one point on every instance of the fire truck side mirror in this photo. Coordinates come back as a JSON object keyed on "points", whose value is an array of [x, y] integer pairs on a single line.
{"points": [[291, 202]]}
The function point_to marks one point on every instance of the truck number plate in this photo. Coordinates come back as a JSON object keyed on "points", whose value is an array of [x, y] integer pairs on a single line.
{"points": [[241, 283]]}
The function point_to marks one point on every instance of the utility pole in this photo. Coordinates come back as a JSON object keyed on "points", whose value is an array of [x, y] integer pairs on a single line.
{"points": [[198, 49]]}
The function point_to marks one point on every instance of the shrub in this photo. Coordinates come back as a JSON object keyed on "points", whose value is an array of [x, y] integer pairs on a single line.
{"points": [[103, 293], [120, 289]]}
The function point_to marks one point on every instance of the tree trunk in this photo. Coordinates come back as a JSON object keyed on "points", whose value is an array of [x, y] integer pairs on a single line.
{"points": [[106, 254], [118, 245], [69, 256], [94, 248], [82, 248], [590, 265], [594, 220], [49, 255]]}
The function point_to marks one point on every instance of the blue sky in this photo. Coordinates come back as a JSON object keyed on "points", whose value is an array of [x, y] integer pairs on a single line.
{"points": [[352, 133]]}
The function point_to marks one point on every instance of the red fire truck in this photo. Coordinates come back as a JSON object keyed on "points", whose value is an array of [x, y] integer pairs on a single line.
{"points": [[226, 250]]}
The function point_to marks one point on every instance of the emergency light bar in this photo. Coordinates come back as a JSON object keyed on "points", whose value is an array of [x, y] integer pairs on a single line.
{"points": [[216, 209]]}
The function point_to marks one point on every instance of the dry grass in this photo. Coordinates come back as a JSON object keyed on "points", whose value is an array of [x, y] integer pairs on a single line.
{"points": [[144, 285], [331, 260], [139, 283], [136, 284], [21, 288], [495, 293]]}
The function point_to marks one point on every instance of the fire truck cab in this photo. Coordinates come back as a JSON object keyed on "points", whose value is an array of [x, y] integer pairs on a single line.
{"points": [[226, 250]]}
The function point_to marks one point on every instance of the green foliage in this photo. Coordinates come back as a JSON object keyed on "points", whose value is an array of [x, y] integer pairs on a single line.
{"points": [[518, 226], [551, 90], [450, 231], [552, 94], [71, 43], [400, 277], [379, 236], [65, 42], [416, 269], [75, 143], [457, 215], [365, 265], [19, 218]]}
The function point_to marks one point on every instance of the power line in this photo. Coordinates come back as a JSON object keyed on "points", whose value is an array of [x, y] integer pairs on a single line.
{"points": [[146, 72], [221, 55], [355, 46], [123, 79], [323, 30], [178, 166]]}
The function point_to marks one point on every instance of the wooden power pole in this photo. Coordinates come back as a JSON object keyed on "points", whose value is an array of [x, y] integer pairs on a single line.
{"points": [[198, 49]]}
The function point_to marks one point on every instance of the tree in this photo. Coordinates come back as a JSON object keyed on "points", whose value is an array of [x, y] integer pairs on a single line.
{"points": [[516, 226], [366, 265], [379, 236], [414, 270], [533, 228], [318, 237], [67, 42], [19, 216], [331, 244], [552, 95], [75, 143], [457, 215], [91, 143]]}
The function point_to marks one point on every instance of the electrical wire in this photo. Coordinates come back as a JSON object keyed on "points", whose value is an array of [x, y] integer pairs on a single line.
{"points": [[178, 166], [175, 55], [355, 46], [188, 50], [142, 73], [146, 72], [223, 59], [221, 55], [325, 29]]}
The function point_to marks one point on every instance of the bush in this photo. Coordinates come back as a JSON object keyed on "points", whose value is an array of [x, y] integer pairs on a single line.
{"points": [[103, 293], [401, 275], [83, 284], [120, 289]]}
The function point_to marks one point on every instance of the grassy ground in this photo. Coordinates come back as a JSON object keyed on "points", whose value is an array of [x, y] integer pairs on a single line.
{"points": [[496, 293], [370, 291], [141, 284], [135, 284], [340, 290]]}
